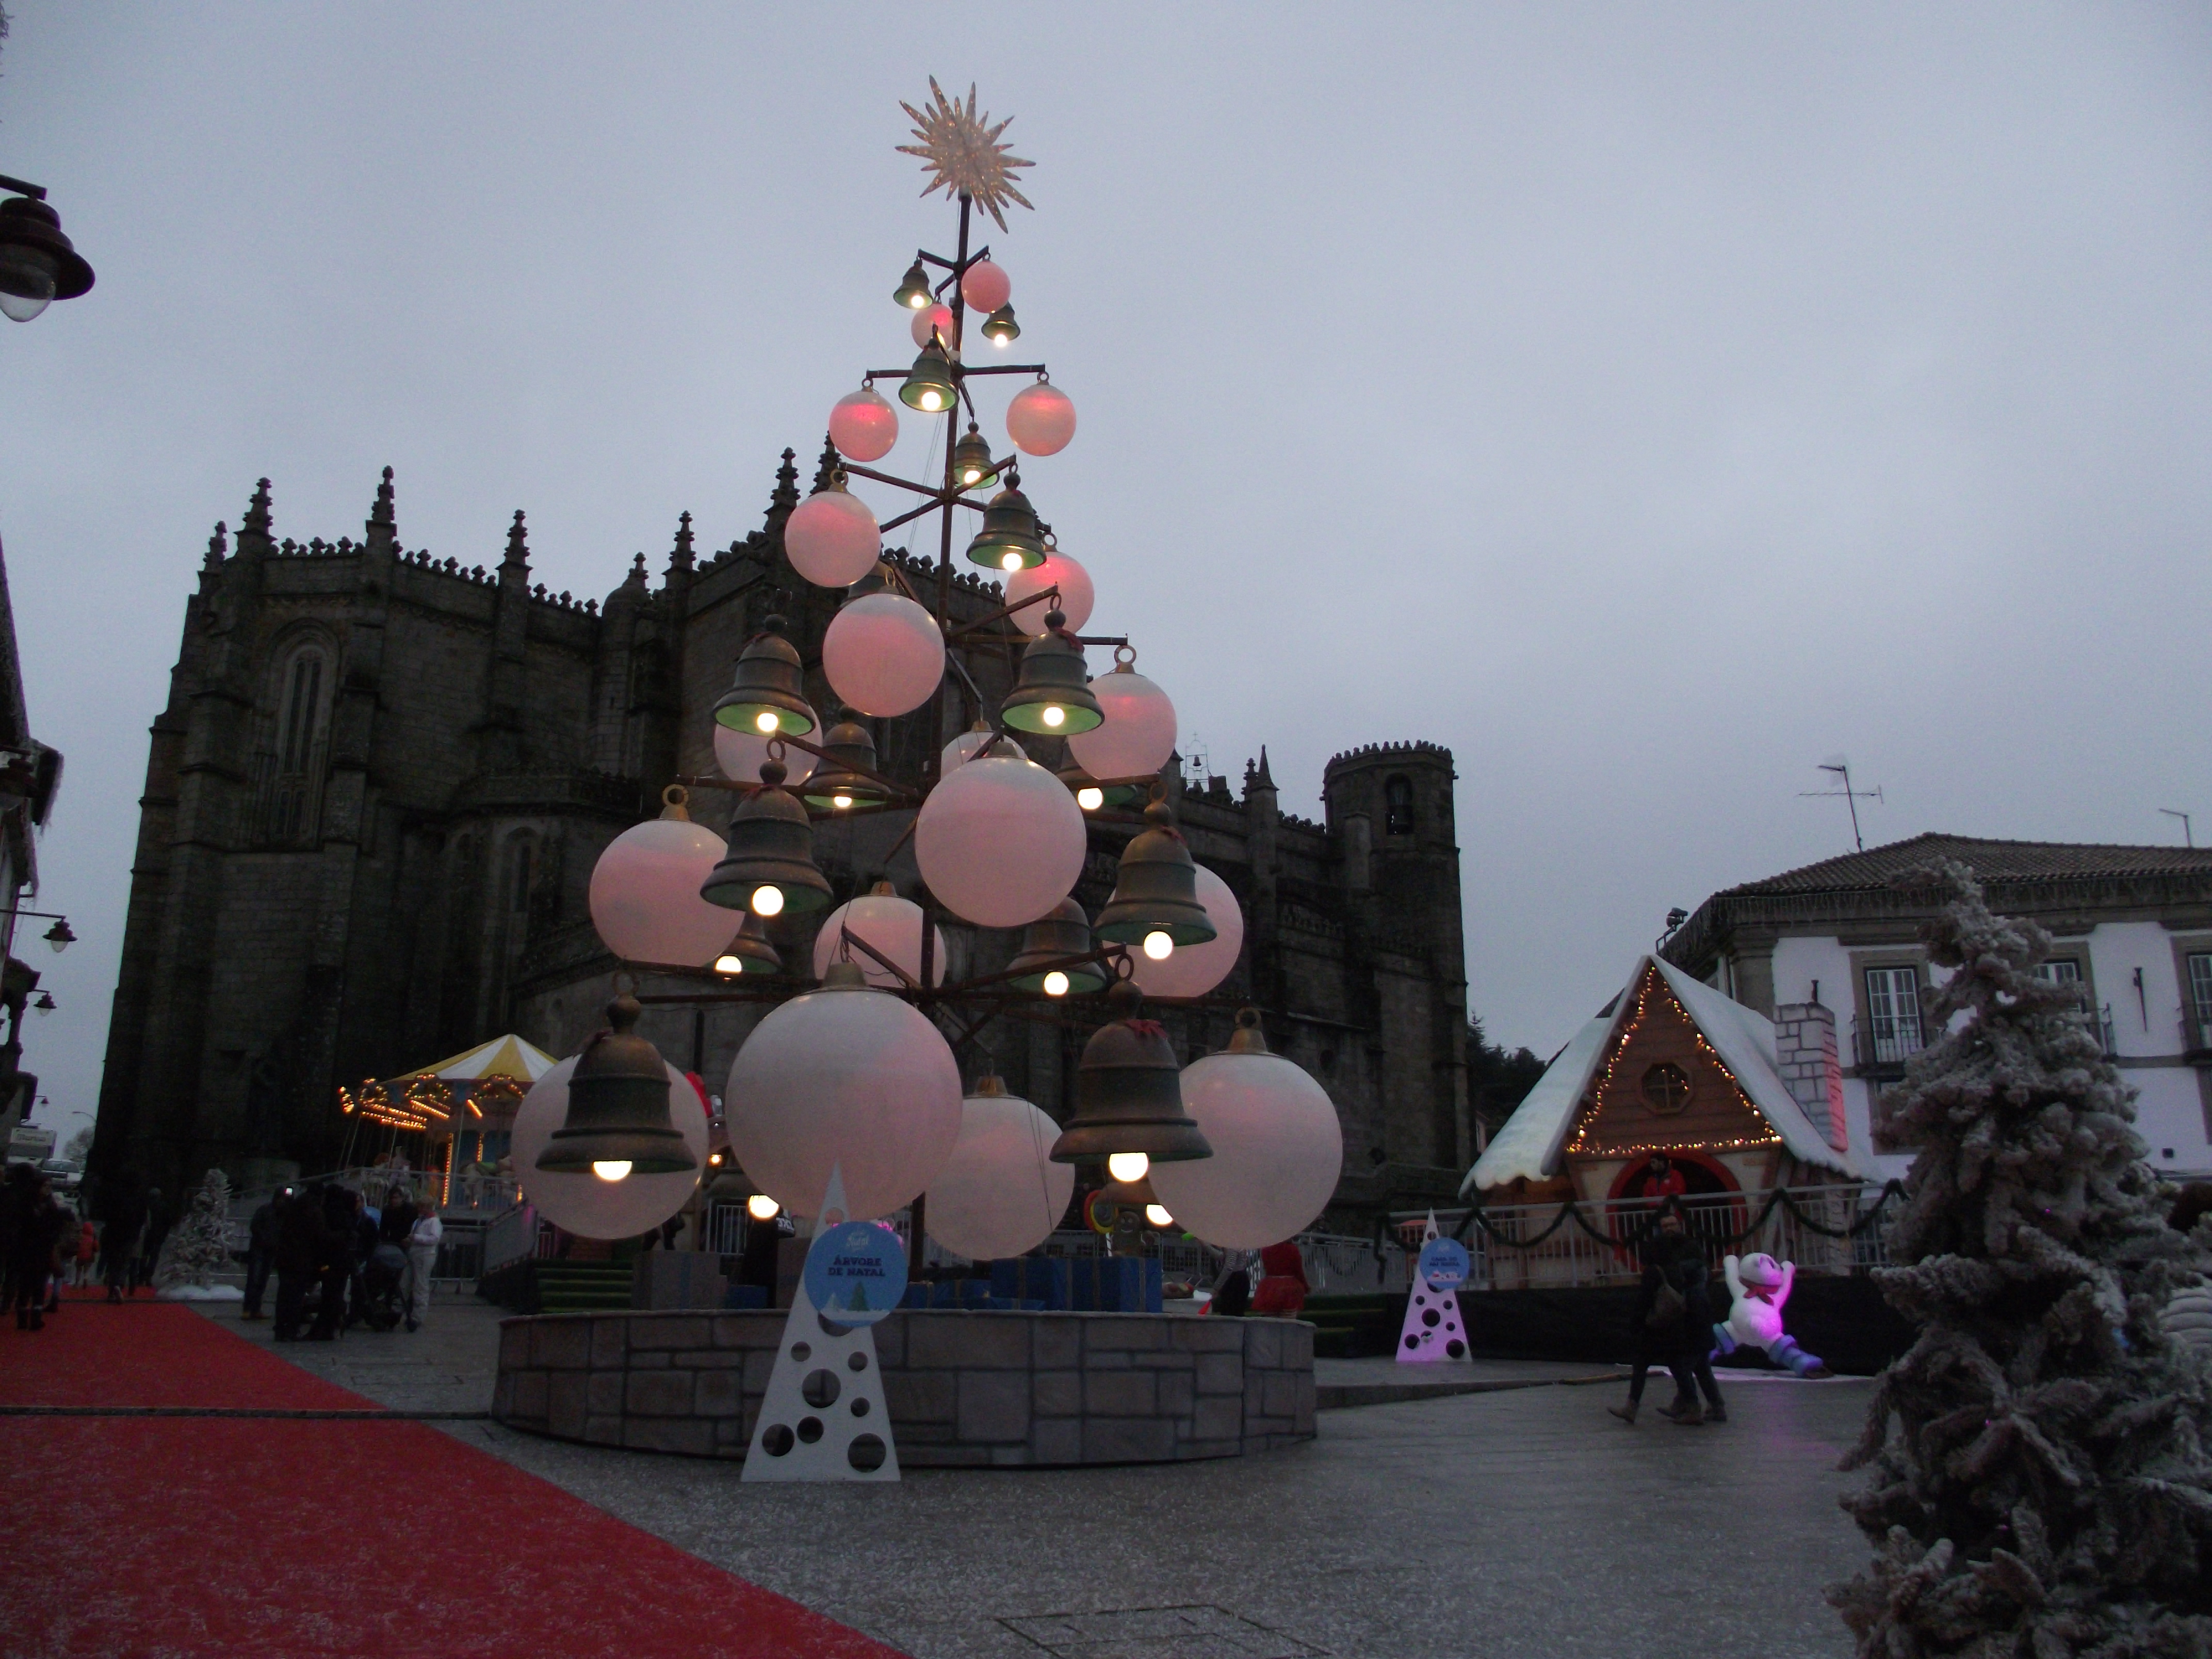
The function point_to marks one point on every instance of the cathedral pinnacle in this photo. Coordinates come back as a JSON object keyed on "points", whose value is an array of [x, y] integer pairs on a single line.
{"points": [[218, 544], [256, 520], [1256, 775], [518, 546], [383, 524], [680, 559], [825, 474], [786, 494]]}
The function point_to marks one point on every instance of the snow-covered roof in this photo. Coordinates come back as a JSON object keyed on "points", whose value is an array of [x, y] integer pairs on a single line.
{"points": [[1529, 1146]]}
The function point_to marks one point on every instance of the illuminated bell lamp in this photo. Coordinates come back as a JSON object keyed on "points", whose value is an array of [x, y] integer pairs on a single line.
{"points": [[1052, 694], [1041, 419], [890, 925], [928, 385], [971, 461], [769, 866], [883, 655], [999, 1195], [750, 952], [1091, 794], [37, 265], [768, 696], [61, 936], [584, 1204], [934, 322], [864, 425], [1155, 890], [913, 290], [618, 1122], [1278, 1147], [1193, 970], [999, 842], [843, 780], [831, 537], [1000, 329], [985, 286], [1138, 735], [739, 753], [644, 892], [1047, 944], [1128, 1096], [843, 1078], [1009, 539], [761, 1208], [1076, 596]]}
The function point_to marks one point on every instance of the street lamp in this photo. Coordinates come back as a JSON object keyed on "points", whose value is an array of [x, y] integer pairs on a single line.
{"points": [[38, 266]]}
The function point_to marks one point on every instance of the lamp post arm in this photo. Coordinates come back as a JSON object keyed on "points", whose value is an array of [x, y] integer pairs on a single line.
{"points": [[17, 187]]}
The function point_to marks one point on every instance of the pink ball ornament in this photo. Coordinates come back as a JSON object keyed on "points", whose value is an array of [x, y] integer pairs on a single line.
{"points": [[583, 1204], [1194, 970], [985, 287], [999, 842], [891, 924], [964, 747], [1000, 1193], [863, 425], [1041, 419], [883, 655], [645, 894], [932, 321], [1058, 570], [739, 754], [1139, 734], [831, 538], [849, 1079], [1278, 1151]]}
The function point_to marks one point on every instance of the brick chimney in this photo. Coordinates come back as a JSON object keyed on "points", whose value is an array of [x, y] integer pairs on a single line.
{"points": [[1805, 1055]]}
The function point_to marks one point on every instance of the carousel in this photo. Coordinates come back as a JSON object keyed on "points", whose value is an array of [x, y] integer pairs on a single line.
{"points": [[448, 1125]]}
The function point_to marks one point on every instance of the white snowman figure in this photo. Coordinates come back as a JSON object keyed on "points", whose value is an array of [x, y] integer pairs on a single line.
{"points": [[1760, 1285]]}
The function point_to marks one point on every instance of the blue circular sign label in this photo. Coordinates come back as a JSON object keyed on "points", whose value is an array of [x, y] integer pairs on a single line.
{"points": [[1444, 1263], [856, 1273]]}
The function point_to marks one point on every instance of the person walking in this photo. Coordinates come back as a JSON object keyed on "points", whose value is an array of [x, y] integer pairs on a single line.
{"points": [[260, 1256], [1662, 1308], [33, 1231], [146, 1254], [1693, 1368], [423, 1240], [300, 1242], [334, 1267], [120, 1229], [87, 1249]]}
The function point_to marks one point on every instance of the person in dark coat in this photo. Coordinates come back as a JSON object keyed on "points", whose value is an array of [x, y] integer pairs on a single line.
{"points": [[1662, 1308], [301, 1241], [341, 1224], [260, 1256], [34, 1228], [123, 1221], [149, 1253], [396, 1223], [1695, 1363]]}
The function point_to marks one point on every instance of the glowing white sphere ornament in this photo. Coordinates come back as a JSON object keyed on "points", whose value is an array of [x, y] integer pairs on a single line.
{"points": [[645, 890], [965, 747], [883, 655], [831, 538], [1000, 1193], [1076, 596], [986, 286], [1138, 733], [891, 924], [1194, 970], [1278, 1149], [863, 425], [590, 1206], [1041, 419], [844, 1077], [739, 754], [934, 320], [1000, 842]]}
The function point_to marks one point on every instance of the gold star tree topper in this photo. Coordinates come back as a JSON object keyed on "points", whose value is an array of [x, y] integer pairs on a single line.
{"points": [[963, 153]]}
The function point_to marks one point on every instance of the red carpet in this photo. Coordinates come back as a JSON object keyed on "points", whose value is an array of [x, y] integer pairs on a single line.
{"points": [[139, 1536]]}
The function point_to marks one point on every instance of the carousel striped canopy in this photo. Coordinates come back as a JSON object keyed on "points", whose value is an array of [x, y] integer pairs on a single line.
{"points": [[507, 1057]]}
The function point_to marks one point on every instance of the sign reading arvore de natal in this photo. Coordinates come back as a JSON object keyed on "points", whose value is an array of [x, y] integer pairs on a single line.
{"points": [[1444, 1263], [856, 1273]]}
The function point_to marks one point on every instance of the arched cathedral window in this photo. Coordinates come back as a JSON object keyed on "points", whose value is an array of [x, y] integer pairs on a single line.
{"points": [[1397, 806], [296, 751]]}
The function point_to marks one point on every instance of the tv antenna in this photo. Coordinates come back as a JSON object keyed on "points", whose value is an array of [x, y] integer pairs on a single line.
{"points": [[1842, 767], [2188, 839]]}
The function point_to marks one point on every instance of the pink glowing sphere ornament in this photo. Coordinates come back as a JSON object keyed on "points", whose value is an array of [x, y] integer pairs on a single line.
{"points": [[645, 894], [1041, 419], [831, 538], [1139, 734], [932, 322], [1277, 1150], [965, 747], [583, 1204], [883, 655], [739, 754], [891, 924], [985, 287], [1000, 842], [863, 425], [1000, 1193], [1192, 970], [1058, 570], [849, 1079]]}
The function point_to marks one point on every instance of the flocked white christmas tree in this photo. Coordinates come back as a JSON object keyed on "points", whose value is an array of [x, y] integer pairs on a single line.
{"points": [[196, 1249]]}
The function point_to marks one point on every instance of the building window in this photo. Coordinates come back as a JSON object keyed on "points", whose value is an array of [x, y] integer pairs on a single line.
{"points": [[2200, 997], [1666, 1088], [1893, 1011], [292, 805], [518, 892], [1398, 803], [2059, 970], [303, 697]]}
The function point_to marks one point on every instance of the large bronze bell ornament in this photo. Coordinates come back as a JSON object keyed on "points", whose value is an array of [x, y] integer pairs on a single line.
{"points": [[1052, 694], [618, 1123], [846, 777], [1009, 539], [768, 697], [769, 866], [1048, 944], [1155, 903], [1128, 1093]]}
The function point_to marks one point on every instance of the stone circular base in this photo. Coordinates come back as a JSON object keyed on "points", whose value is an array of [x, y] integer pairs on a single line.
{"points": [[965, 1389]]}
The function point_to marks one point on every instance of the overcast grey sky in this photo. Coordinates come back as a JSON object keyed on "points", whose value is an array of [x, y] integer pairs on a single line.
{"points": [[1644, 402]]}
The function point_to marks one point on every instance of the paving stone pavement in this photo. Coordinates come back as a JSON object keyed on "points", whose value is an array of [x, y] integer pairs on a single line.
{"points": [[1525, 1521]]}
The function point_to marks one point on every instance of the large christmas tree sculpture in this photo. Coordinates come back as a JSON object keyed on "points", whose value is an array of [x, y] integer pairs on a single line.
{"points": [[2040, 1481], [195, 1250]]}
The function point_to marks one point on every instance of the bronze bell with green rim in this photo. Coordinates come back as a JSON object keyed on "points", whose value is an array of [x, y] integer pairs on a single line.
{"points": [[1052, 694], [750, 952], [768, 698], [1090, 793], [1000, 329], [1155, 890], [1009, 539], [769, 866], [1048, 944], [971, 461], [1128, 1093], [928, 386], [844, 779], [618, 1124]]}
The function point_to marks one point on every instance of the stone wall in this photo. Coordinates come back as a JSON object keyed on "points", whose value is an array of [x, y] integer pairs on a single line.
{"points": [[964, 1389]]}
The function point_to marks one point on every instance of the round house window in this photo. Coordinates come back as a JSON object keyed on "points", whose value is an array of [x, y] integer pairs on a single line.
{"points": [[1666, 1088]]}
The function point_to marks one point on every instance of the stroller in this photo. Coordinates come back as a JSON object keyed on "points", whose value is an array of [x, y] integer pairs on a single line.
{"points": [[384, 1282]]}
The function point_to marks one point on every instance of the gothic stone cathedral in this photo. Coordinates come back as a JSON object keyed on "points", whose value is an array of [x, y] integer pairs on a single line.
{"points": [[374, 799]]}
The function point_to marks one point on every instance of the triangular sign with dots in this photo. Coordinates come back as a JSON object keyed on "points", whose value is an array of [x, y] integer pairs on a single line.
{"points": [[824, 1416], [1434, 1329]]}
